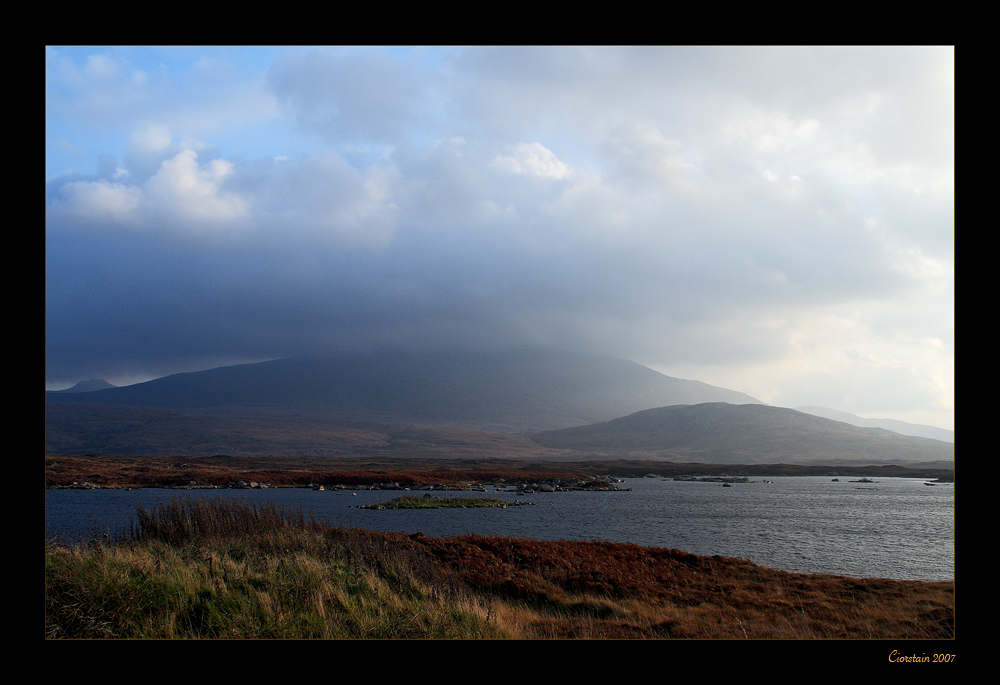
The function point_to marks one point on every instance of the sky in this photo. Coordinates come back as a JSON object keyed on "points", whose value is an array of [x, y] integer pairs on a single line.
{"points": [[773, 220]]}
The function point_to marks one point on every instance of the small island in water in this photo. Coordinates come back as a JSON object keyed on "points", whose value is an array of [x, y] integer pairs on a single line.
{"points": [[428, 501]]}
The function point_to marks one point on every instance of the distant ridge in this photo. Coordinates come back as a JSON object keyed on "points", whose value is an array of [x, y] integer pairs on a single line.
{"points": [[89, 386], [901, 427], [720, 433], [500, 391]]}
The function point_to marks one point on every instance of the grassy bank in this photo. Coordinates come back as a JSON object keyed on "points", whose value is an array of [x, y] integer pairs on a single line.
{"points": [[221, 569]]}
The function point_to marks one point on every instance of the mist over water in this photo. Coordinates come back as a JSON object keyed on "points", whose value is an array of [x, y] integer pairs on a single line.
{"points": [[896, 528]]}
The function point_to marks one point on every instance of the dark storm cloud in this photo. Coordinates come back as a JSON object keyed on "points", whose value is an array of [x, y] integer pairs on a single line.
{"points": [[328, 263]]}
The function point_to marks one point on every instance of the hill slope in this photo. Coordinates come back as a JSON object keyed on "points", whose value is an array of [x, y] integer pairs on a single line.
{"points": [[722, 433], [509, 391]]}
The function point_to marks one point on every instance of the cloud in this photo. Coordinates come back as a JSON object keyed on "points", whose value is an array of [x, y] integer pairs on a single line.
{"points": [[183, 198], [194, 192], [343, 94], [742, 216], [533, 159], [100, 201]]}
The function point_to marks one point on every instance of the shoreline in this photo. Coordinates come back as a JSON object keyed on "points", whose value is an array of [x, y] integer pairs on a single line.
{"points": [[221, 471]]}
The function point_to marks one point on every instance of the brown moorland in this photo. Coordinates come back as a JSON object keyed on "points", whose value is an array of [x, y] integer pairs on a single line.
{"points": [[219, 470], [619, 590]]}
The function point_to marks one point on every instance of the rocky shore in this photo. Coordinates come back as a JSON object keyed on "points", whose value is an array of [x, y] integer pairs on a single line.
{"points": [[525, 487], [429, 501]]}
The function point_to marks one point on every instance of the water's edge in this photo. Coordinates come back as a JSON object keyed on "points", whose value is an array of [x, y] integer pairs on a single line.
{"points": [[896, 528]]}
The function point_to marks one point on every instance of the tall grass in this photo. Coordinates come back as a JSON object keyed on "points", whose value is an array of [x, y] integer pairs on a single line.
{"points": [[182, 520], [218, 569]]}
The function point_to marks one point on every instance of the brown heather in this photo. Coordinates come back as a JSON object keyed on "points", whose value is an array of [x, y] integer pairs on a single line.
{"points": [[279, 471], [218, 471], [218, 569]]}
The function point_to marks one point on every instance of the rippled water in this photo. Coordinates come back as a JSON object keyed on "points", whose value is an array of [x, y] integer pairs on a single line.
{"points": [[896, 528]]}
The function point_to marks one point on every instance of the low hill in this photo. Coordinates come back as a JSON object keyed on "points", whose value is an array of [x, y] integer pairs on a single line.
{"points": [[722, 433], [502, 391]]}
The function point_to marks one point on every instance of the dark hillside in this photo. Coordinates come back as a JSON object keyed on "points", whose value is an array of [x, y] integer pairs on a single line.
{"points": [[723, 433]]}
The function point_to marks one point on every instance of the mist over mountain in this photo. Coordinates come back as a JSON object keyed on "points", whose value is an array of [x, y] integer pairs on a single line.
{"points": [[577, 403], [89, 386], [721, 433], [500, 391], [901, 427]]}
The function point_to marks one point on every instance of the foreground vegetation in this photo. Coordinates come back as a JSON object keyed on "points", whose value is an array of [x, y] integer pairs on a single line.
{"points": [[222, 569]]}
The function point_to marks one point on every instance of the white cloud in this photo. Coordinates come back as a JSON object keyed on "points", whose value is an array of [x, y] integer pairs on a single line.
{"points": [[772, 132], [641, 153], [840, 360], [183, 198], [533, 159], [194, 192], [94, 202], [101, 67]]}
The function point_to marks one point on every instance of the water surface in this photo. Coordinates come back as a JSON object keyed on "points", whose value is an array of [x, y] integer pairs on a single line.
{"points": [[895, 528]]}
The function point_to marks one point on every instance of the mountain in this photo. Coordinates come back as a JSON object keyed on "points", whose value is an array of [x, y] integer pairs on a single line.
{"points": [[89, 386], [894, 425], [498, 391], [79, 429], [582, 404], [721, 433]]}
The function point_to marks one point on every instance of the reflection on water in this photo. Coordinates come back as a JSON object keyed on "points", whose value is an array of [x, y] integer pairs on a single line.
{"points": [[896, 528]]}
